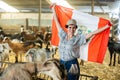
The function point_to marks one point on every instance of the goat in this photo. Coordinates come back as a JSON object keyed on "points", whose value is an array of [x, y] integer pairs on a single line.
{"points": [[25, 71], [5, 52], [19, 71], [113, 48], [54, 69], [16, 47], [54, 50], [40, 54]]}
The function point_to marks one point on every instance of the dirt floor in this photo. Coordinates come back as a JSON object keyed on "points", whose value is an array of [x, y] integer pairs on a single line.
{"points": [[103, 71]]}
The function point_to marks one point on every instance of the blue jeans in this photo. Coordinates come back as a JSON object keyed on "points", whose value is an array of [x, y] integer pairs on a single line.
{"points": [[67, 65]]}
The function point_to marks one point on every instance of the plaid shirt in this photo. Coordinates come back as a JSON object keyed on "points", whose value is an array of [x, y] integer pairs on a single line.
{"points": [[69, 49]]}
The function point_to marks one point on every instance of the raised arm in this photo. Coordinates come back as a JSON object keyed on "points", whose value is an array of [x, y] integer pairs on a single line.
{"points": [[55, 17], [89, 35]]}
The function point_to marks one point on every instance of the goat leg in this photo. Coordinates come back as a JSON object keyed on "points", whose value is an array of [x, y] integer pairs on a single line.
{"points": [[16, 59], [110, 59], [118, 58], [114, 59]]}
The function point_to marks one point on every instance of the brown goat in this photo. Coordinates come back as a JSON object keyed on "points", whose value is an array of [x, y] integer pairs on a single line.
{"points": [[17, 48]]}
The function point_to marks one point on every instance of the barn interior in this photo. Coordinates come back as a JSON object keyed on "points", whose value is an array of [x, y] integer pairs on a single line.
{"points": [[38, 13], [37, 16]]}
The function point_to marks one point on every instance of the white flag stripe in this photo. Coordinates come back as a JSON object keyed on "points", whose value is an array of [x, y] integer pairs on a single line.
{"points": [[84, 52], [91, 22]]}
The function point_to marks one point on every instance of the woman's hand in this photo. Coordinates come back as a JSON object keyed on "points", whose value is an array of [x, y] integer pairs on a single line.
{"points": [[89, 35], [110, 24], [52, 6]]}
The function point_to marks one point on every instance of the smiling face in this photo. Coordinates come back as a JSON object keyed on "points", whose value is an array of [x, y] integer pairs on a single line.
{"points": [[71, 29]]}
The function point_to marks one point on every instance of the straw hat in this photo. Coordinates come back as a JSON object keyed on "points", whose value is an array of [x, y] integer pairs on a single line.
{"points": [[72, 21]]}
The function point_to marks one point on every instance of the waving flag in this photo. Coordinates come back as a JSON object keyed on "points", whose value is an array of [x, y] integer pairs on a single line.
{"points": [[95, 49]]}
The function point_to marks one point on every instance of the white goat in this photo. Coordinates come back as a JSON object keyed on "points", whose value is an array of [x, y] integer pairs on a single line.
{"points": [[37, 55], [5, 50], [54, 69]]}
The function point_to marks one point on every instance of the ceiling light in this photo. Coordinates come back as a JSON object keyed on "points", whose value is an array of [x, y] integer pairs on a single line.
{"points": [[7, 7], [62, 3]]}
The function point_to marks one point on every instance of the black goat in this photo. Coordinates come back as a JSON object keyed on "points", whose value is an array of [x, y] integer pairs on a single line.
{"points": [[113, 48]]}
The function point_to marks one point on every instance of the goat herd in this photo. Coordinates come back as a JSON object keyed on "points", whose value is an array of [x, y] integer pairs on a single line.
{"points": [[29, 70], [40, 62], [37, 60]]}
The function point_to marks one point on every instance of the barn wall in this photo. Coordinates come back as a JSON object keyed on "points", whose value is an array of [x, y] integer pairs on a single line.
{"points": [[13, 21], [19, 18]]}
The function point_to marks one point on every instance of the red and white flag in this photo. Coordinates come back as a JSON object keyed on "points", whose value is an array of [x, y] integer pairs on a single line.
{"points": [[95, 49]]}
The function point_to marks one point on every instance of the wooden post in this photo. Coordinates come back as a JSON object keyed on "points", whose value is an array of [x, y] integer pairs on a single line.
{"points": [[92, 7], [27, 24], [39, 16]]}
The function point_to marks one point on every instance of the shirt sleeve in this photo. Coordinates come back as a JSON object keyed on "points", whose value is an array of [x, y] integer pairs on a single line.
{"points": [[61, 34], [81, 39]]}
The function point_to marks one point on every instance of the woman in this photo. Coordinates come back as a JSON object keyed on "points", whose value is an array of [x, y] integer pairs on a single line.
{"points": [[70, 43]]}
